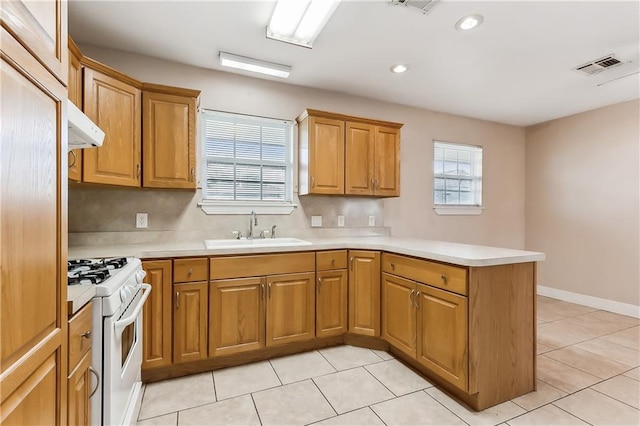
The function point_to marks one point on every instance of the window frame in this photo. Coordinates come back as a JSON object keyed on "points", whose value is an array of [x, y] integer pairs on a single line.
{"points": [[213, 206], [460, 209]]}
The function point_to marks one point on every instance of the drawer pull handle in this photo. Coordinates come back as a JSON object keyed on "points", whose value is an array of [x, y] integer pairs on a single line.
{"points": [[351, 263], [269, 291], [393, 266], [417, 298], [190, 271], [413, 303], [177, 300], [333, 262], [86, 334], [443, 277], [313, 182], [262, 291], [95, 373], [319, 284]]}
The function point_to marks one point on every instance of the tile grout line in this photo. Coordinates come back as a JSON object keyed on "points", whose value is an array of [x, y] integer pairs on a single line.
{"points": [[379, 381], [586, 372], [325, 398], [445, 407], [255, 407], [568, 412], [614, 398], [215, 393], [376, 414], [275, 372]]}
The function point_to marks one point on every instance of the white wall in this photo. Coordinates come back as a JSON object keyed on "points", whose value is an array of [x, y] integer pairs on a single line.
{"points": [[501, 224], [582, 206]]}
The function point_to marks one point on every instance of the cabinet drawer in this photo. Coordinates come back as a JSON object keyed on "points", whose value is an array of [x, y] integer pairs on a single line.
{"points": [[80, 335], [187, 270], [260, 265], [328, 260], [439, 275]]}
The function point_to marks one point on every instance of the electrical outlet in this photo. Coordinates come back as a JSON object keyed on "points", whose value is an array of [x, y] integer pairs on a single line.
{"points": [[316, 221], [372, 221], [141, 220], [340, 221]]}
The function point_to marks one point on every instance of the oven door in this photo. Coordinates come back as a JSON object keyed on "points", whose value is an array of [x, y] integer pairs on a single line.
{"points": [[123, 361]]}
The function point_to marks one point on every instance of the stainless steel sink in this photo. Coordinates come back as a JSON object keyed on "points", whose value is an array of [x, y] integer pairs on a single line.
{"points": [[258, 242]]}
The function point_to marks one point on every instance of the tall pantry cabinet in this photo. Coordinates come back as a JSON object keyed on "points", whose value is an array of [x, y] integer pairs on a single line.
{"points": [[33, 213]]}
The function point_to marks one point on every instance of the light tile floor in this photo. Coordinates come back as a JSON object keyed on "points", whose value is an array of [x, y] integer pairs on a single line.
{"points": [[588, 373]]}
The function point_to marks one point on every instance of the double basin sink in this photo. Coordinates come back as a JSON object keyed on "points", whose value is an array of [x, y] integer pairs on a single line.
{"points": [[257, 242]]}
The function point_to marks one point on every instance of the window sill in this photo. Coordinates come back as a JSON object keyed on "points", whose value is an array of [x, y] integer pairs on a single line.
{"points": [[235, 207], [458, 210]]}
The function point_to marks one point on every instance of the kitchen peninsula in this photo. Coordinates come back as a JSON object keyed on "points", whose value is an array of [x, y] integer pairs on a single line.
{"points": [[462, 315]]}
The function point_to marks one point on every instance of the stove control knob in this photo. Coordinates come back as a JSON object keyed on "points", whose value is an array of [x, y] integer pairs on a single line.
{"points": [[140, 276], [123, 294]]}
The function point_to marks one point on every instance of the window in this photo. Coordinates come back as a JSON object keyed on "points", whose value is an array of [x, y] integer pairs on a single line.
{"points": [[457, 175], [247, 160]]}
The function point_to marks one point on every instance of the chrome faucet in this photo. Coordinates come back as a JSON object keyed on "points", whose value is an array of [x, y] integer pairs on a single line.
{"points": [[253, 220], [273, 231]]}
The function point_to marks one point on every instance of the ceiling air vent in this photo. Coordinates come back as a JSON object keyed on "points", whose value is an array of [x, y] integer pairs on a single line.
{"points": [[599, 65], [423, 6]]}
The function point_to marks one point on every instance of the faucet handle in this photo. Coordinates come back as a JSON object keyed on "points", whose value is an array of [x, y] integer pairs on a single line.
{"points": [[264, 233], [273, 231], [237, 234]]}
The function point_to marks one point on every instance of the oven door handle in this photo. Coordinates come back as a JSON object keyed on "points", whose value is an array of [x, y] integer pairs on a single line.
{"points": [[122, 323]]}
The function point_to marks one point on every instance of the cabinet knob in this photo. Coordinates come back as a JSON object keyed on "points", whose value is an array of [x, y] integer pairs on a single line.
{"points": [[443, 277], [86, 334], [193, 174], [138, 170], [313, 182], [333, 262], [190, 271], [393, 266]]}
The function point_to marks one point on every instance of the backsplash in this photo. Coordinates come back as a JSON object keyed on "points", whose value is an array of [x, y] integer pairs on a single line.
{"points": [[107, 216]]}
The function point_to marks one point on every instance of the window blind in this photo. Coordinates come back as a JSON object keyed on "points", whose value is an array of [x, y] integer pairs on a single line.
{"points": [[457, 172], [246, 158]]}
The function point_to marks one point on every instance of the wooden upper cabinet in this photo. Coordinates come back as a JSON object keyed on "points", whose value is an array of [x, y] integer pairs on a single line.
{"points": [[387, 162], [345, 155], [290, 308], [113, 101], [321, 156], [359, 159], [169, 137], [364, 292], [42, 27], [75, 95], [156, 315]]}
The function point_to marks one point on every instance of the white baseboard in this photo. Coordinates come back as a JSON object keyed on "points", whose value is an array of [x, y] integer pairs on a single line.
{"points": [[594, 302]]}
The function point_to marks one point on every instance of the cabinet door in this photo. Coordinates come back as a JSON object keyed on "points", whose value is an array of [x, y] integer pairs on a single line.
{"points": [[364, 292], [290, 308], [359, 159], [115, 106], [326, 156], [236, 316], [331, 303], [156, 315], [399, 313], [75, 96], [169, 139], [387, 162], [33, 225], [190, 322], [442, 334], [78, 389]]}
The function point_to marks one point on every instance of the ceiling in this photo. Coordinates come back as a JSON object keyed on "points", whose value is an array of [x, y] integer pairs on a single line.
{"points": [[517, 68]]}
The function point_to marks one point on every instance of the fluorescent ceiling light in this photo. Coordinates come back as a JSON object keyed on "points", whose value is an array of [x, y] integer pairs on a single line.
{"points": [[300, 21], [469, 22], [254, 65]]}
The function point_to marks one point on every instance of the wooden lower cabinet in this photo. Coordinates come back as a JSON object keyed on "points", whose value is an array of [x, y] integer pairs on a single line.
{"points": [[236, 315], [364, 292], [290, 308], [157, 315], [442, 334], [78, 392], [399, 308], [190, 321], [331, 303]]}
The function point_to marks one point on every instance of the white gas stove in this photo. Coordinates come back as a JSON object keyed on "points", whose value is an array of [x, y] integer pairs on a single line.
{"points": [[117, 331]]}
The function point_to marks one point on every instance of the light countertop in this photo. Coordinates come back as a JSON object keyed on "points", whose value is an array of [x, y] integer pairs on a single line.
{"points": [[455, 253]]}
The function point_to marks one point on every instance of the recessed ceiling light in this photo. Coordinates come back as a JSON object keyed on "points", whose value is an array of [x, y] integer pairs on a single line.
{"points": [[469, 22], [399, 68]]}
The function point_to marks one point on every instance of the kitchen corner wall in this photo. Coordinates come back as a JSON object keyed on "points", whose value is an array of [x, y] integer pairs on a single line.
{"points": [[582, 206], [112, 211]]}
